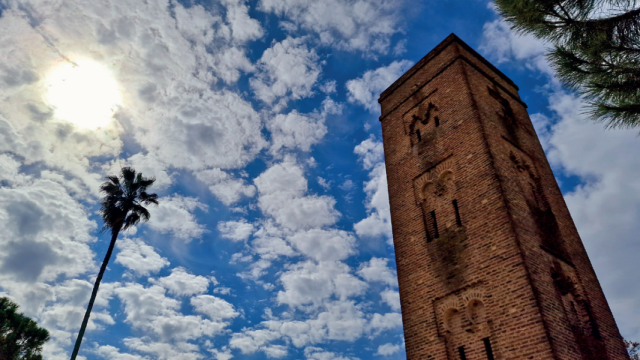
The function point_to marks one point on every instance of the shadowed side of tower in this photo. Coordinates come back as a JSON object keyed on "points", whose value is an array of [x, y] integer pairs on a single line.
{"points": [[490, 264]]}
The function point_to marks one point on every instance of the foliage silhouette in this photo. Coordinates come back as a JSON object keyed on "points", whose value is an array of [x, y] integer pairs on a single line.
{"points": [[20, 337], [596, 50]]}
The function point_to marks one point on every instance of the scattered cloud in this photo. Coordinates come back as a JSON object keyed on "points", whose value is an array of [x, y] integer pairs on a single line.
{"points": [[235, 230], [378, 221], [182, 283], [282, 195], [174, 215], [288, 68], [225, 187], [139, 257], [365, 90], [365, 26]]}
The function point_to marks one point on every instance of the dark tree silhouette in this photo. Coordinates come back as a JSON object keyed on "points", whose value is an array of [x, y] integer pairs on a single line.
{"points": [[20, 337], [121, 209], [596, 50], [633, 348]]}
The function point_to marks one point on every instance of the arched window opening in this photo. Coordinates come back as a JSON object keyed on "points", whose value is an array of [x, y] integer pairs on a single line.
{"points": [[476, 311], [488, 349], [455, 208], [463, 355], [434, 223]]}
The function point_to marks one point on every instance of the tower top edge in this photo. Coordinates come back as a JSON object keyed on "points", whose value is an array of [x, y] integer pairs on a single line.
{"points": [[447, 42]]}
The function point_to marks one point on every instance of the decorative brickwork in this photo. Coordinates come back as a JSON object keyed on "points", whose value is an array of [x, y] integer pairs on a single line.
{"points": [[490, 264]]}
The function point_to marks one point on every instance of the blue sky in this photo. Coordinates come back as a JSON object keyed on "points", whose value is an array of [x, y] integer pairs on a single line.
{"points": [[259, 120]]}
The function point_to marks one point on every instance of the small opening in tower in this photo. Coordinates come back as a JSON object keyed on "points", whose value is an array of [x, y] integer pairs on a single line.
{"points": [[435, 224], [418, 135], [437, 120], [463, 356], [455, 207], [488, 349]]}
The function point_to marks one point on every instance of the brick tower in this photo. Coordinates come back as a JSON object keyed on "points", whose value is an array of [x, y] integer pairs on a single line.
{"points": [[489, 261]]}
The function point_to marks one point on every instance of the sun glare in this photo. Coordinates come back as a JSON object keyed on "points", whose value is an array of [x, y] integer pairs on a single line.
{"points": [[85, 94]]}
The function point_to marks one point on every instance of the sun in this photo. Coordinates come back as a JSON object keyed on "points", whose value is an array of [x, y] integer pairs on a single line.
{"points": [[84, 93]]}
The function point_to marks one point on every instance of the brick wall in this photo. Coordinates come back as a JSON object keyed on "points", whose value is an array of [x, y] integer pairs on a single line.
{"points": [[487, 253]]}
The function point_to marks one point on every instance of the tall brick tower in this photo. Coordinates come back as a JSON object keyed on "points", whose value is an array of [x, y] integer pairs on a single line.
{"points": [[489, 261]]}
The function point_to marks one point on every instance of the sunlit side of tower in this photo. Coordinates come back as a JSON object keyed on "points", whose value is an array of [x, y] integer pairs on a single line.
{"points": [[490, 264]]}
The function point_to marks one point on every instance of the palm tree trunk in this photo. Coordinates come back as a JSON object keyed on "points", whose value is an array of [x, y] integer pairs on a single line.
{"points": [[83, 327]]}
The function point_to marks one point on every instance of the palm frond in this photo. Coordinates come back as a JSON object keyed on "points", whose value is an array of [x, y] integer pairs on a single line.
{"points": [[146, 182], [128, 175], [114, 179], [147, 199], [125, 195], [131, 220], [110, 188], [141, 211]]}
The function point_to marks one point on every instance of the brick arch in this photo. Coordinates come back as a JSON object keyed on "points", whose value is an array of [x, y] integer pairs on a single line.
{"points": [[452, 320], [432, 176], [476, 311]]}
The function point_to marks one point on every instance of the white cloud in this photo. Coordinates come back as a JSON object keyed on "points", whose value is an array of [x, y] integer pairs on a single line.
{"points": [[206, 130], [370, 153], [501, 43], [336, 320], [326, 185], [392, 298], [364, 25], [248, 342], [224, 354], [347, 185], [300, 131], [174, 215], [158, 54], [182, 283], [315, 353], [295, 130], [243, 27], [164, 350], [10, 170], [228, 63], [112, 353], [147, 165], [282, 190], [365, 90], [139, 257], [45, 233], [309, 283], [324, 245], [287, 68], [235, 230], [377, 270], [70, 300], [378, 220], [270, 248], [150, 310], [388, 349], [380, 323], [215, 308], [328, 87], [225, 187]]}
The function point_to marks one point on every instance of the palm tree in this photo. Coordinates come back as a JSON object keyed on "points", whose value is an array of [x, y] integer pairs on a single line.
{"points": [[121, 209]]}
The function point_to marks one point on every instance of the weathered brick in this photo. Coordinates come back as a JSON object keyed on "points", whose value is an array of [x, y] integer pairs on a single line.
{"points": [[485, 245]]}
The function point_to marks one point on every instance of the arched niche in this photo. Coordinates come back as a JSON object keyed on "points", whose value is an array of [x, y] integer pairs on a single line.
{"points": [[476, 312], [452, 320]]}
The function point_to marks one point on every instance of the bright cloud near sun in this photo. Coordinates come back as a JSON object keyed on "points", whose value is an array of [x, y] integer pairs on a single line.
{"points": [[84, 93]]}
